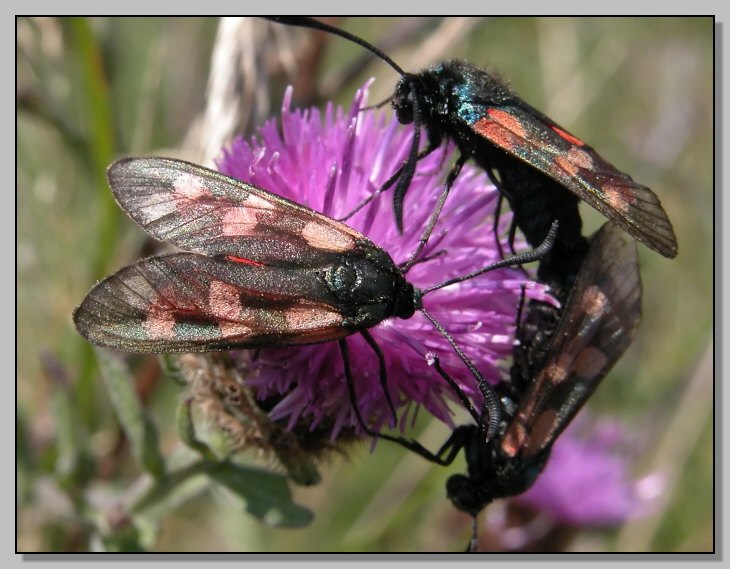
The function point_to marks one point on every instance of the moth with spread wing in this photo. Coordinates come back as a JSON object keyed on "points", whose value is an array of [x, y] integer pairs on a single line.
{"points": [[258, 271], [261, 269]]}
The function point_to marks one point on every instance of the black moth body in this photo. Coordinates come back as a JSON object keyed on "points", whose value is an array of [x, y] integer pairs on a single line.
{"points": [[538, 166]]}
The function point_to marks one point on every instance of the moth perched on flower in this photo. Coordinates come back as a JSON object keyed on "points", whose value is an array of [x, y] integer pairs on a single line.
{"points": [[539, 167], [263, 271]]}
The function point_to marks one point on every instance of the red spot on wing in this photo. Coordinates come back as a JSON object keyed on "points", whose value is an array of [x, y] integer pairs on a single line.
{"points": [[619, 197], [327, 237], [190, 187], [515, 437], [224, 301], [501, 128], [567, 136], [159, 321], [508, 121], [578, 159], [542, 432], [565, 165], [244, 261], [313, 318], [239, 221]]}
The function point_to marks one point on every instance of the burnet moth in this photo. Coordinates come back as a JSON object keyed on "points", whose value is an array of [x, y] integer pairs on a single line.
{"points": [[258, 271], [596, 327], [539, 167]]}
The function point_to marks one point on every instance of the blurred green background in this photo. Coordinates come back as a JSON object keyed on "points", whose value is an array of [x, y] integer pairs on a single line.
{"points": [[640, 90]]}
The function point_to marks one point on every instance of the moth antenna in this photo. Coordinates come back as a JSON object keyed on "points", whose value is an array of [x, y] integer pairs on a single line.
{"points": [[492, 405], [535, 255], [379, 105], [304, 22]]}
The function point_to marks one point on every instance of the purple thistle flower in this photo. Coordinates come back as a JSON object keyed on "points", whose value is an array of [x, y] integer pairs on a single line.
{"points": [[331, 162]]}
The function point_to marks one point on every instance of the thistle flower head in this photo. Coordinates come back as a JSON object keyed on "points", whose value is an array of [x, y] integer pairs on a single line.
{"points": [[331, 162]]}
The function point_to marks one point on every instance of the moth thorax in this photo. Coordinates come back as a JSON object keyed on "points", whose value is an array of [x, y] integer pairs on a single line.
{"points": [[363, 282], [343, 280]]}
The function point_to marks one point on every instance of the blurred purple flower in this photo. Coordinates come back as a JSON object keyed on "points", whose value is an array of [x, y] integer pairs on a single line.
{"points": [[587, 480], [331, 162]]}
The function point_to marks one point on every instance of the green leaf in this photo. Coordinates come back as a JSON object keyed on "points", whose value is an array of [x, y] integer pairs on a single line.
{"points": [[173, 489], [266, 495], [136, 423]]}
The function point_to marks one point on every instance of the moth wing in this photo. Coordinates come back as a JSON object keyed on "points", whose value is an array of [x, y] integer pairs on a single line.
{"points": [[186, 302], [529, 135], [597, 326], [201, 210]]}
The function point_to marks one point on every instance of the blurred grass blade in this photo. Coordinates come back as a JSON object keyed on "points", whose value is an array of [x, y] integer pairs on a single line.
{"points": [[94, 91], [266, 494], [25, 463], [73, 465], [135, 422]]}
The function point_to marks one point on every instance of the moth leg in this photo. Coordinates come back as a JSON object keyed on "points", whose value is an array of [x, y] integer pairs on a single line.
{"points": [[511, 241], [519, 371], [465, 401], [512, 233], [450, 179], [427, 258], [457, 440], [409, 444], [383, 372], [498, 212], [495, 225], [473, 542], [389, 182]]}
